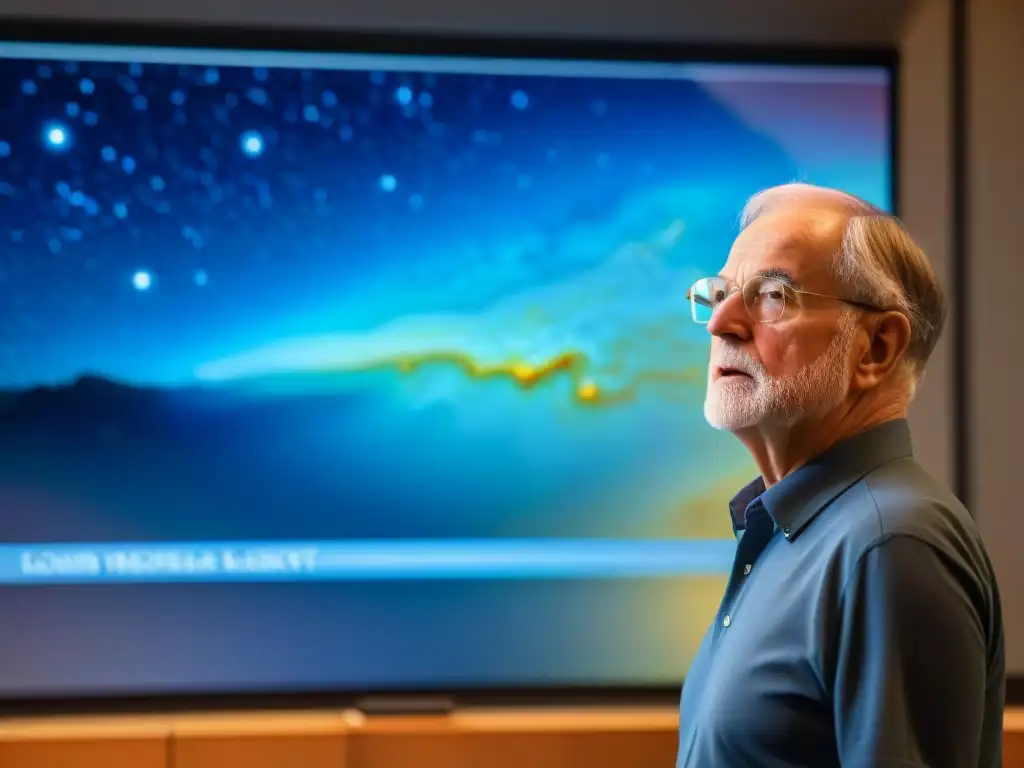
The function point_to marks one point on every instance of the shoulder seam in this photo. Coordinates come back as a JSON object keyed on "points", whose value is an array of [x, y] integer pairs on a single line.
{"points": [[876, 543]]}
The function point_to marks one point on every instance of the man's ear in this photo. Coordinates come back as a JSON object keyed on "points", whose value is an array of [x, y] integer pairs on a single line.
{"points": [[888, 339]]}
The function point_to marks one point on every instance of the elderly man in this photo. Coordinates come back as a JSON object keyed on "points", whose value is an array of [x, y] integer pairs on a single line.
{"points": [[861, 625]]}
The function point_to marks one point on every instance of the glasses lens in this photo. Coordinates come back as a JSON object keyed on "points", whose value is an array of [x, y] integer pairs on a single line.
{"points": [[765, 299], [705, 295]]}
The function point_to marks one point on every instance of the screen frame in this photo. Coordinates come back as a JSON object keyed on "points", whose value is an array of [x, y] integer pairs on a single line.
{"points": [[340, 41]]}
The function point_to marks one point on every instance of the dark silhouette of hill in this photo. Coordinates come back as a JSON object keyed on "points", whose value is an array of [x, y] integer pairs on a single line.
{"points": [[94, 406], [89, 401]]}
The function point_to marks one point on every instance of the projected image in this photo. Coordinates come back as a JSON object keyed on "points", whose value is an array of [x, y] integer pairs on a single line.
{"points": [[301, 316], [296, 303]]}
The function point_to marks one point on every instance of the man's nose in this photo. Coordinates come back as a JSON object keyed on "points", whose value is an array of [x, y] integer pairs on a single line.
{"points": [[730, 318]]}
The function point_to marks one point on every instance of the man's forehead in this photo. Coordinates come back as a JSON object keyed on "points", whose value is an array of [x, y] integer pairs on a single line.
{"points": [[794, 241]]}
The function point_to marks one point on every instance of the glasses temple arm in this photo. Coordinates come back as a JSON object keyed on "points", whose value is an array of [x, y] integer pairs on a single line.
{"points": [[699, 300]]}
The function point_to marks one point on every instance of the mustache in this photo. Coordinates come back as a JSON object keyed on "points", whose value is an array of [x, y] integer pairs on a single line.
{"points": [[735, 358]]}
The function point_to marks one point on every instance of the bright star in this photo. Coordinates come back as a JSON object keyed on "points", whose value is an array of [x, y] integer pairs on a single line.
{"points": [[142, 280], [252, 143], [57, 136]]}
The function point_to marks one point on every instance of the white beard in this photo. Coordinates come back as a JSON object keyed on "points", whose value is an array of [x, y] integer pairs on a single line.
{"points": [[739, 402]]}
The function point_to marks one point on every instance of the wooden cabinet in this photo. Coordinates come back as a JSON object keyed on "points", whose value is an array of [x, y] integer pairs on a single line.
{"points": [[540, 738], [515, 738], [135, 742], [259, 740]]}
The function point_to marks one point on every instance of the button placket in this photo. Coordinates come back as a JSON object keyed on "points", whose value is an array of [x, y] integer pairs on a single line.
{"points": [[759, 532]]}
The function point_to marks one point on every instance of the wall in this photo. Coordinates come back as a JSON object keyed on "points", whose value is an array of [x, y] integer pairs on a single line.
{"points": [[996, 147], [925, 171]]}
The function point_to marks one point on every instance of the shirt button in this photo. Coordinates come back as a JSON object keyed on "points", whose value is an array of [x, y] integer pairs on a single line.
{"points": [[746, 569], [786, 531], [727, 620]]}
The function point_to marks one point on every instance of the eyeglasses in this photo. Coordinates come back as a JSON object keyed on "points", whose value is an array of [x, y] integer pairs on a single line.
{"points": [[763, 297]]}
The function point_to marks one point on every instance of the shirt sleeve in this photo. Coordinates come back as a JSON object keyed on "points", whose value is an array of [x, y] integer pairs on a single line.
{"points": [[909, 684]]}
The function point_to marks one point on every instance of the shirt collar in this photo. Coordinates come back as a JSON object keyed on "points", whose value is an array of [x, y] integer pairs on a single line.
{"points": [[796, 500]]}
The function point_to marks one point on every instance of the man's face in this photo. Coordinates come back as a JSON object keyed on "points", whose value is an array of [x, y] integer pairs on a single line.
{"points": [[779, 373]]}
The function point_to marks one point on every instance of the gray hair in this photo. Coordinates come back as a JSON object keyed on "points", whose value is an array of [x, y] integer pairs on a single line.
{"points": [[878, 264]]}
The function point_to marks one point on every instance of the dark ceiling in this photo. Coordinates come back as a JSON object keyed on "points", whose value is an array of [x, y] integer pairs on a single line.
{"points": [[812, 22]]}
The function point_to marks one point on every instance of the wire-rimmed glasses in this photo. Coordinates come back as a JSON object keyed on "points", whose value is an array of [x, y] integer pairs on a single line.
{"points": [[764, 298]]}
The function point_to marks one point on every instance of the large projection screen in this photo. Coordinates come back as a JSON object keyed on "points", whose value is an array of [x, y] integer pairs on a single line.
{"points": [[373, 370]]}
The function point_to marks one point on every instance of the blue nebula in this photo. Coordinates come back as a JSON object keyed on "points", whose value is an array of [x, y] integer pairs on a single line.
{"points": [[341, 200]]}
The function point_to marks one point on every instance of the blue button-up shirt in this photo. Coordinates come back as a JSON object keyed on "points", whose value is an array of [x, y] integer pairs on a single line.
{"points": [[861, 625]]}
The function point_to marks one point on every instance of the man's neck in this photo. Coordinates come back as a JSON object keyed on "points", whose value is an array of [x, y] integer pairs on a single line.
{"points": [[780, 450]]}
